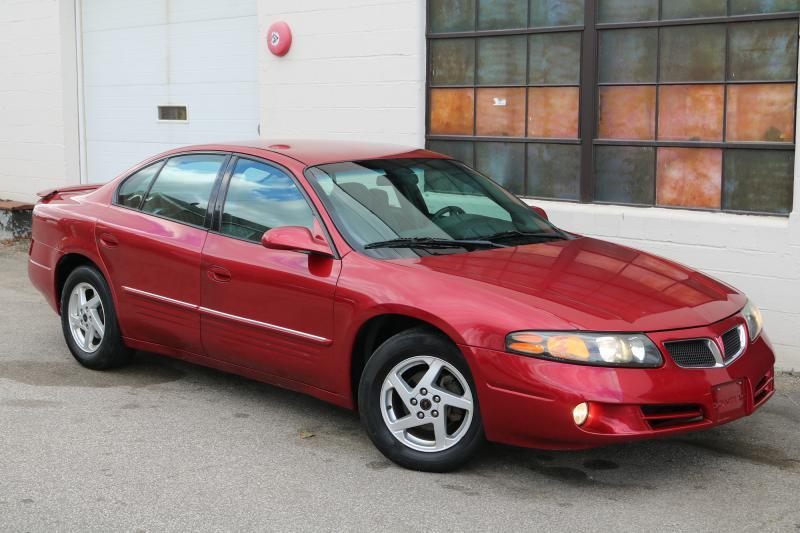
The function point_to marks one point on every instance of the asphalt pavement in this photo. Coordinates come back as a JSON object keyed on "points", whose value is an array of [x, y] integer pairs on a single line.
{"points": [[164, 445]]}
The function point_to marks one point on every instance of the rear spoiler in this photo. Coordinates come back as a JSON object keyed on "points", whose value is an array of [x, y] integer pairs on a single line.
{"points": [[53, 194]]}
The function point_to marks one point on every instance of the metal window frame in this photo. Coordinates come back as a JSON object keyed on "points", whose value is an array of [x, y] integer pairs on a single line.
{"points": [[589, 85]]}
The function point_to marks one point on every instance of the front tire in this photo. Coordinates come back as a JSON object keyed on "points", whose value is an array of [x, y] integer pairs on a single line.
{"points": [[418, 402], [89, 321]]}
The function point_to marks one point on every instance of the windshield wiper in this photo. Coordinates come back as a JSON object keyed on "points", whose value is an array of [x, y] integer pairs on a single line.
{"points": [[513, 234], [431, 242]]}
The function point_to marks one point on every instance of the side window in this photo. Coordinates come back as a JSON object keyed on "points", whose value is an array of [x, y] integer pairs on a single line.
{"points": [[183, 188], [259, 198], [132, 191]]}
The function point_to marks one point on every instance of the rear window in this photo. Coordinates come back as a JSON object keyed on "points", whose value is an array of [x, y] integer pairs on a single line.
{"points": [[183, 188]]}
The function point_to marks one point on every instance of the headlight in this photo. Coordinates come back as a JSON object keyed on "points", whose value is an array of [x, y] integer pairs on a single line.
{"points": [[752, 316], [602, 349]]}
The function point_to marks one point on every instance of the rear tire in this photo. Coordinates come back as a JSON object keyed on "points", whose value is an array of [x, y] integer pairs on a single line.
{"points": [[418, 402], [89, 321]]}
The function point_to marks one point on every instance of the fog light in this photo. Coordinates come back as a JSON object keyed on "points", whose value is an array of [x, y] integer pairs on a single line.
{"points": [[580, 413]]}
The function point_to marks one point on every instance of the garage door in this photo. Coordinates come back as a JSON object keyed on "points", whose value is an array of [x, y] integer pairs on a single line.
{"points": [[174, 54]]}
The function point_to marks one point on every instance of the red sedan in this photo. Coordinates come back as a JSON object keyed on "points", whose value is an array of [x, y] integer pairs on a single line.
{"points": [[402, 283]]}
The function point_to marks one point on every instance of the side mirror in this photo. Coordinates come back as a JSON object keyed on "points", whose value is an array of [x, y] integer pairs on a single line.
{"points": [[297, 239], [539, 211]]}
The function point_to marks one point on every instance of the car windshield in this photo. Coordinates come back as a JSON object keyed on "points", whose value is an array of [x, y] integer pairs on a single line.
{"points": [[391, 208]]}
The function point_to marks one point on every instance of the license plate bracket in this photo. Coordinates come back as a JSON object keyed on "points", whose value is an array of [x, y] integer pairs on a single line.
{"points": [[729, 400]]}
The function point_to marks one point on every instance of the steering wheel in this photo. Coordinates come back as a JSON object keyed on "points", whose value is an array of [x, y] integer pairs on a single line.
{"points": [[448, 210]]}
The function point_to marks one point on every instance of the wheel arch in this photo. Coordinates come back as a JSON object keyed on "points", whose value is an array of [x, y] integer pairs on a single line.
{"points": [[375, 331], [64, 267]]}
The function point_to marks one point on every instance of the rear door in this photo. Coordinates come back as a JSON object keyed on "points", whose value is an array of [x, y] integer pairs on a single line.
{"points": [[269, 310], [151, 239]]}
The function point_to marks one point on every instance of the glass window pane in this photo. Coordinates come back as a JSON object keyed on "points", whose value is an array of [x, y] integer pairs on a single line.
{"points": [[624, 174], [761, 112], [451, 15], [132, 191], [554, 170], [693, 53], [628, 55], [451, 111], [556, 13], [744, 7], [553, 112], [759, 180], [689, 177], [627, 10], [452, 61], [501, 60], [461, 150], [684, 9], [627, 112], [690, 112], [183, 188], [765, 50], [501, 111], [259, 198], [502, 14], [555, 58], [503, 162]]}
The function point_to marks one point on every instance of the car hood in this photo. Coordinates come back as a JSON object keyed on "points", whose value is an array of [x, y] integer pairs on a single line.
{"points": [[596, 285]]}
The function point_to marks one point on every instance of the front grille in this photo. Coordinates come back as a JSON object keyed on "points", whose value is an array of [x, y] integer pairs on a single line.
{"points": [[694, 353], [732, 342], [671, 415]]}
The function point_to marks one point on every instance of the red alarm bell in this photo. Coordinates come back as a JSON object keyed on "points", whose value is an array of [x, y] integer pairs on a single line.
{"points": [[279, 38]]}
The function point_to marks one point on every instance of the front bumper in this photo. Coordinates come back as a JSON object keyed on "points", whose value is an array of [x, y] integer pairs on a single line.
{"points": [[528, 402]]}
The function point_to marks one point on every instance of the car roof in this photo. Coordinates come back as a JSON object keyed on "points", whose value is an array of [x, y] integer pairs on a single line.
{"points": [[316, 151]]}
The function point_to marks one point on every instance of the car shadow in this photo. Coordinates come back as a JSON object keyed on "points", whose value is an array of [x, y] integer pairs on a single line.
{"points": [[760, 440]]}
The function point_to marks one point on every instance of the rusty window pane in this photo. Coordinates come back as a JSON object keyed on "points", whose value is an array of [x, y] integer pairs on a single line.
{"points": [[451, 111], [453, 62], [624, 174], [693, 53], [554, 170], [553, 112], [627, 10], [758, 180], [502, 14], [502, 60], [690, 112], [628, 56], [765, 50], [503, 162], [761, 112], [689, 177], [684, 9], [556, 13], [554, 58], [501, 111], [452, 15], [627, 112]]}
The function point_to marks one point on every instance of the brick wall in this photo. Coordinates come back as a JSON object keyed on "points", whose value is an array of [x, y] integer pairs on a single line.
{"points": [[32, 154]]}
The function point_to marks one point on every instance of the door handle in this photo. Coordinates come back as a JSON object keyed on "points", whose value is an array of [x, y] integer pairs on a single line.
{"points": [[108, 240], [218, 273]]}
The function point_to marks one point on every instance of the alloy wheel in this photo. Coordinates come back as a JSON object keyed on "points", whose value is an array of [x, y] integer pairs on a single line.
{"points": [[87, 321], [427, 403]]}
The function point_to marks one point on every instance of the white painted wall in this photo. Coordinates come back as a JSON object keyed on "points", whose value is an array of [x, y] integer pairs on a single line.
{"points": [[32, 98], [356, 70]]}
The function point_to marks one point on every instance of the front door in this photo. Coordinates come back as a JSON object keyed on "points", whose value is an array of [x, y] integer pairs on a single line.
{"points": [[269, 310], [151, 240]]}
